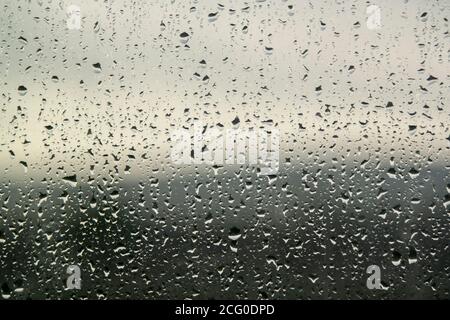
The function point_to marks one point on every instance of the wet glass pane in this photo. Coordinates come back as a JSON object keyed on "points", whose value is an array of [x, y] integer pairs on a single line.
{"points": [[252, 149]]}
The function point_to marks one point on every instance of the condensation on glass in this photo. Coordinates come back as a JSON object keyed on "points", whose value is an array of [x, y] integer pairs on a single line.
{"points": [[93, 205]]}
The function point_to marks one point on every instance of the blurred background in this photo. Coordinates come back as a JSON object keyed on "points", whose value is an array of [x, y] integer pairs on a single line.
{"points": [[93, 90]]}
